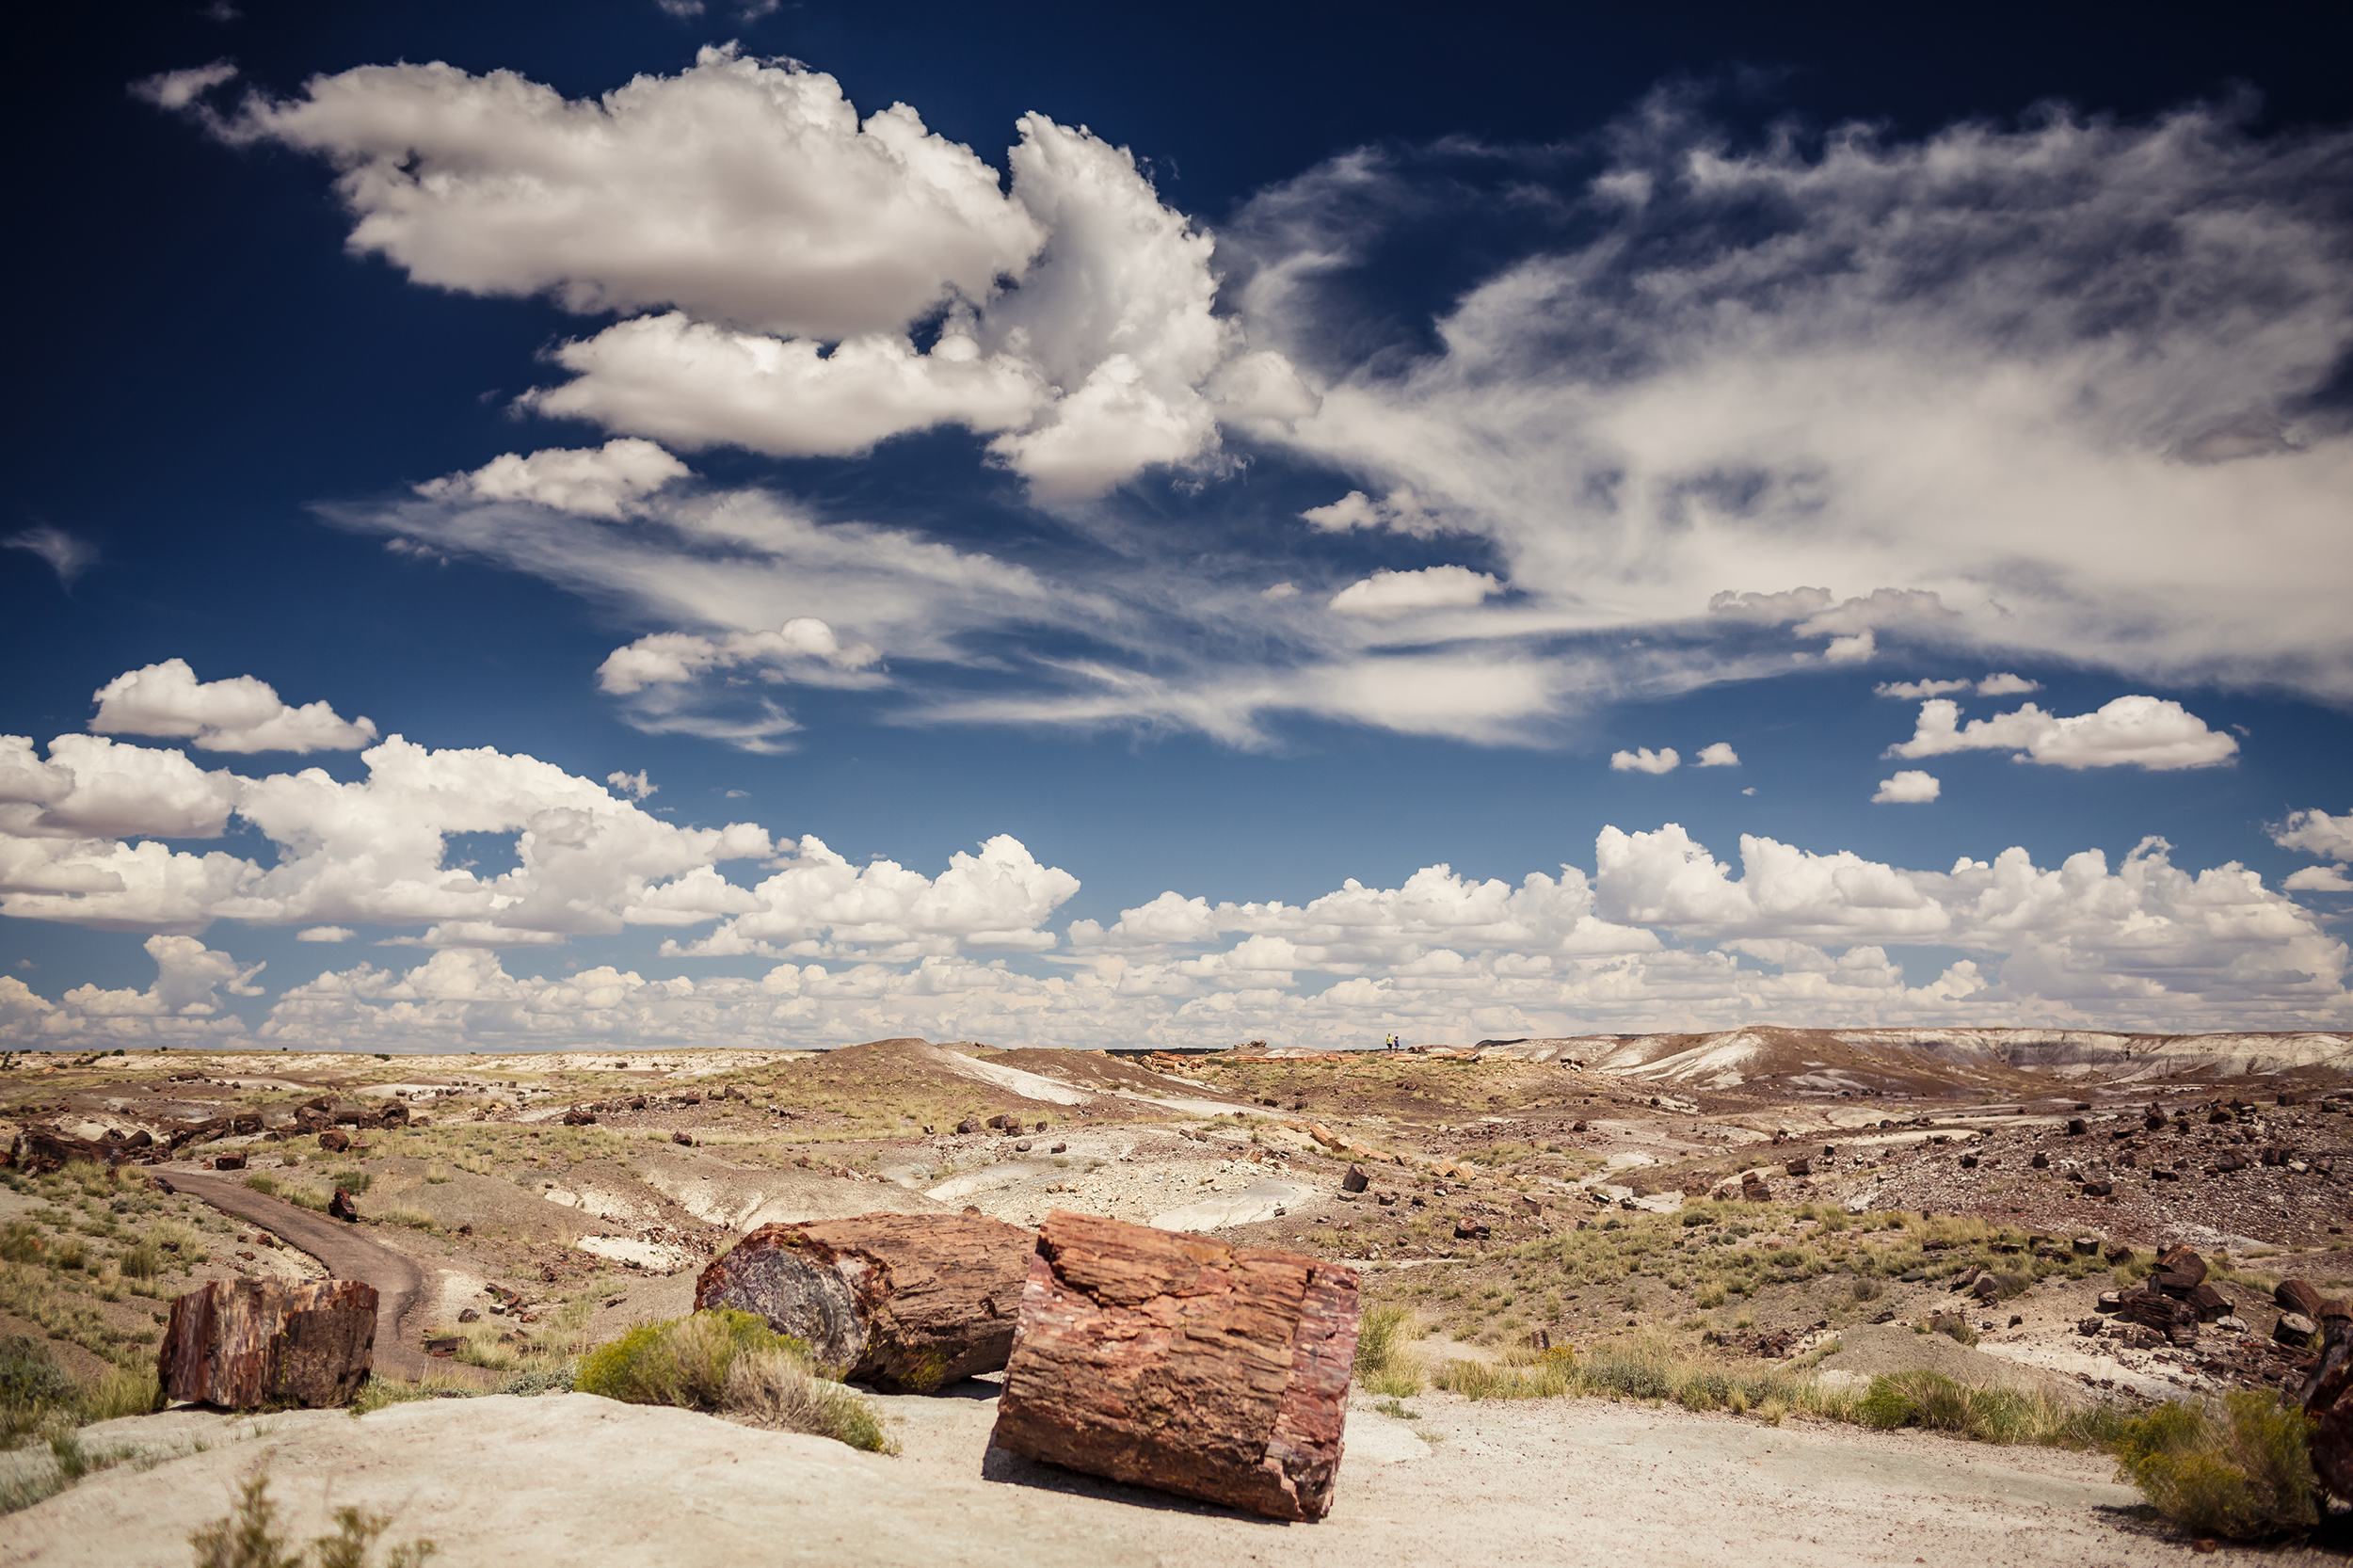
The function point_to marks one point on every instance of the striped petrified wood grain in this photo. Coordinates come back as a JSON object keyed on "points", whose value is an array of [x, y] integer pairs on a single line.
{"points": [[246, 1343], [907, 1302], [1176, 1361]]}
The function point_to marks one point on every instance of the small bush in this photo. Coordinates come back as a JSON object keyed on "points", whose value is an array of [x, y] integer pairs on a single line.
{"points": [[248, 1538], [730, 1363], [32, 1385], [141, 1260], [264, 1184], [354, 1181], [2240, 1470], [19, 1243], [1936, 1402], [1953, 1326]]}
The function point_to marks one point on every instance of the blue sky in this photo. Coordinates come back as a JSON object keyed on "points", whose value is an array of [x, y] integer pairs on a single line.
{"points": [[1078, 532]]}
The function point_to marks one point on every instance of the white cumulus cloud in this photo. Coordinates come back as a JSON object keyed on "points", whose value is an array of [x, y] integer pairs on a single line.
{"points": [[1644, 759], [2136, 731], [1718, 755], [1908, 786], [1398, 593], [240, 714]]}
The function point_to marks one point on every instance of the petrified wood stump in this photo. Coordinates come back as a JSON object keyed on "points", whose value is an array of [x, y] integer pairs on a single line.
{"points": [[246, 1343], [907, 1302], [1176, 1361]]}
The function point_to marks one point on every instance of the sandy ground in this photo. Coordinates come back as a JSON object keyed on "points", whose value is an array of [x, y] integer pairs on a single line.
{"points": [[578, 1479]]}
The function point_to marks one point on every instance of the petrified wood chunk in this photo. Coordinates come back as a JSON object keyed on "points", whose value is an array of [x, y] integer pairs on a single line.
{"points": [[2179, 1271], [2296, 1295], [1181, 1363], [44, 1148], [2327, 1399], [905, 1301], [245, 1343]]}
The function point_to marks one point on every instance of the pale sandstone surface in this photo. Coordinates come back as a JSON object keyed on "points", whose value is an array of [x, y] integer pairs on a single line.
{"points": [[578, 1479]]}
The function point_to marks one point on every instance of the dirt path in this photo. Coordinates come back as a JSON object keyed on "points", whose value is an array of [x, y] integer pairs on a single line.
{"points": [[346, 1252]]}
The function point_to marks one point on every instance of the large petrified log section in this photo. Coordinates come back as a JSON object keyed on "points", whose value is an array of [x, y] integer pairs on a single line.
{"points": [[907, 1302], [2327, 1399], [245, 1343], [1177, 1362]]}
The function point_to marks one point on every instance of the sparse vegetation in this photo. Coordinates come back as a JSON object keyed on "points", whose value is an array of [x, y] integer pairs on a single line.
{"points": [[730, 1363], [247, 1538], [1385, 1363], [2238, 1468]]}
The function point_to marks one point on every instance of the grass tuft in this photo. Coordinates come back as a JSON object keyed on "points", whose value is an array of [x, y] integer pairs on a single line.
{"points": [[1385, 1364]]}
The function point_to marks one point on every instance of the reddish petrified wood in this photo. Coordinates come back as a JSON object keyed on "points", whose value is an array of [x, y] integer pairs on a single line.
{"points": [[907, 1302], [245, 1343], [1176, 1361], [40, 1148]]}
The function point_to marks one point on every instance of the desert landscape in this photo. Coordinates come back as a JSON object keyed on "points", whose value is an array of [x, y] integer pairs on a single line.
{"points": [[1605, 1281]]}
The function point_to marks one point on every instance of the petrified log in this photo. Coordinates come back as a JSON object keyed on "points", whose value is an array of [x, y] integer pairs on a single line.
{"points": [[2159, 1312], [340, 1207], [334, 1141], [2327, 1399], [44, 1148], [1177, 1362], [908, 1302], [1799, 1167], [245, 1343]]}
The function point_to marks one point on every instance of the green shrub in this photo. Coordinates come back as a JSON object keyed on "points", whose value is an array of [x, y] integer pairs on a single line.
{"points": [[141, 1260], [730, 1363], [355, 1183], [264, 1184], [1936, 1402], [2240, 1470]]}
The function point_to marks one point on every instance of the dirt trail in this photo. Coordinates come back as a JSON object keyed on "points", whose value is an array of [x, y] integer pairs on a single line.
{"points": [[347, 1253]]}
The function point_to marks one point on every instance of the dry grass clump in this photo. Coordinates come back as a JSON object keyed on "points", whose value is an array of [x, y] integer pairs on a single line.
{"points": [[730, 1363], [2239, 1469], [247, 1538], [1384, 1363], [1936, 1402]]}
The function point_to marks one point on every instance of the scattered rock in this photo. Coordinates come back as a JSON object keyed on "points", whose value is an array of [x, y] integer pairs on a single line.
{"points": [[1356, 1180]]}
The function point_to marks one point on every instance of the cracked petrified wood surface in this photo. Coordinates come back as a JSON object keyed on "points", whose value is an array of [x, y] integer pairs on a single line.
{"points": [[244, 1344], [904, 1301], [1176, 1361]]}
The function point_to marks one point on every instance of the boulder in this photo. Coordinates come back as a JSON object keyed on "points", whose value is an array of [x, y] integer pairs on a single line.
{"points": [[908, 1302], [245, 1343], [1184, 1364]]}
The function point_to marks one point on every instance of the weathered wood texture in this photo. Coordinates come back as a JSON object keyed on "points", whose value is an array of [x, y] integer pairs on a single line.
{"points": [[907, 1302], [246, 1343], [1177, 1362], [2327, 1398]]}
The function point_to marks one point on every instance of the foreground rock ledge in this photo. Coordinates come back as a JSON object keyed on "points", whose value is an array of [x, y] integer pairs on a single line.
{"points": [[1180, 1362], [243, 1344], [906, 1302]]}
